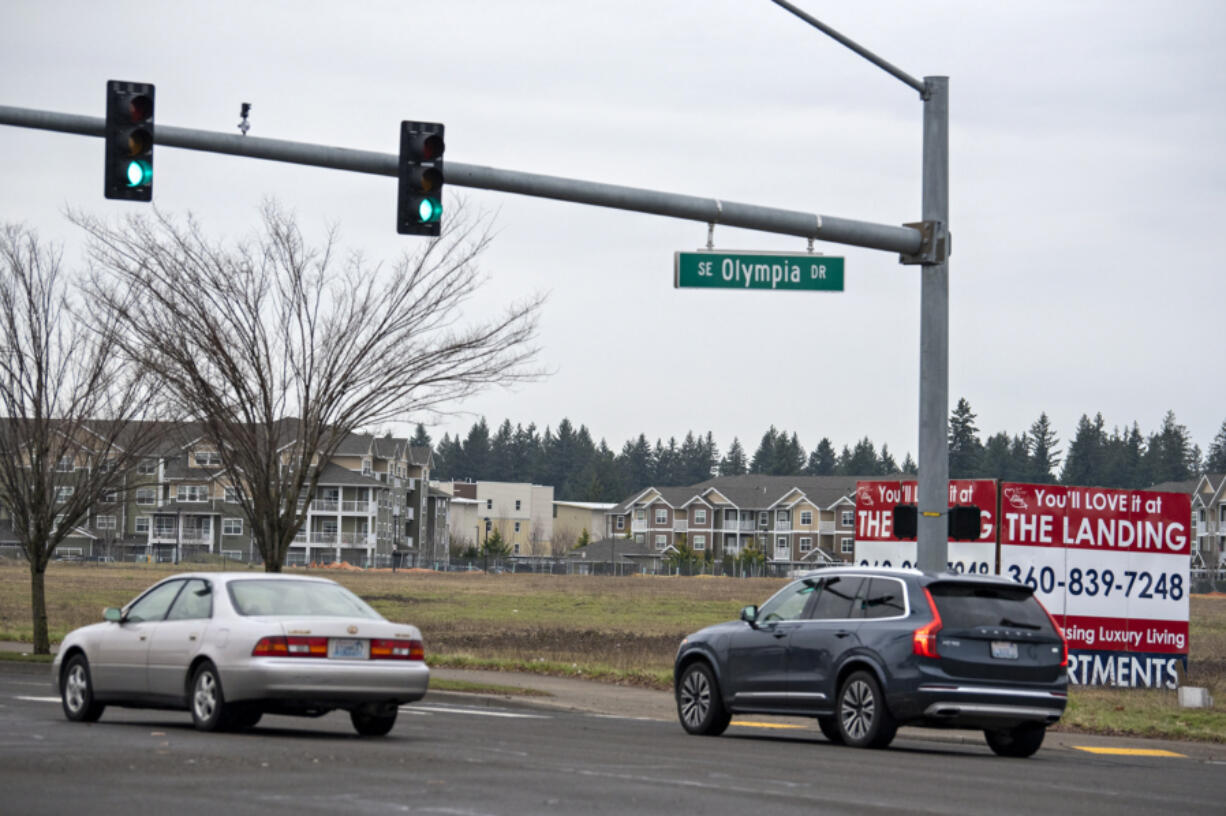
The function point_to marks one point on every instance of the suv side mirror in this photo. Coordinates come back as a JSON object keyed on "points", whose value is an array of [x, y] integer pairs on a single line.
{"points": [[749, 614], [112, 614]]}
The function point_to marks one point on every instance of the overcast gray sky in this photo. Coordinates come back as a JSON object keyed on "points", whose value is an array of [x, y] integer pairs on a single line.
{"points": [[1088, 187]]}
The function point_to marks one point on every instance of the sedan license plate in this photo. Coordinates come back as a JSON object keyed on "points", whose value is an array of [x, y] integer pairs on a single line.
{"points": [[1004, 649], [348, 648]]}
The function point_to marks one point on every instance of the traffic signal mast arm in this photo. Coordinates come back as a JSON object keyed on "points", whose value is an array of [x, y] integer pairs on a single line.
{"points": [[890, 238]]}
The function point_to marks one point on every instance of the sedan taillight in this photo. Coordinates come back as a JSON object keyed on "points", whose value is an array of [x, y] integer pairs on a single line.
{"points": [[279, 646], [388, 649], [924, 639]]}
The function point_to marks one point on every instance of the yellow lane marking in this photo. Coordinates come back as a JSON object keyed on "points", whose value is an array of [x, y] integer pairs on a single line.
{"points": [[752, 724], [1154, 752]]}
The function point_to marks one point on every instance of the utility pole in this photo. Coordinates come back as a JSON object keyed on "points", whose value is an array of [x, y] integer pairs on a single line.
{"points": [[932, 526]]}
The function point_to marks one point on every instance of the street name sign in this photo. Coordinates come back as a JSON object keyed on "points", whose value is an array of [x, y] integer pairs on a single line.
{"points": [[757, 270]]}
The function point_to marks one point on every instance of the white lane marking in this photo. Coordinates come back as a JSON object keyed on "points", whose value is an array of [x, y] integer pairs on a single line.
{"points": [[624, 717], [477, 711], [39, 699]]}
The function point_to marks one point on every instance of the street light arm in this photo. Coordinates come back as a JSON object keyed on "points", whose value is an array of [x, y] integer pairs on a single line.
{"points": [[888, 67]]}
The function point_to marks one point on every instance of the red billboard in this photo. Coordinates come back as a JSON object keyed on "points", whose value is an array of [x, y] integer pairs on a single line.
{"points": [[1112, 568], [875, 542]]}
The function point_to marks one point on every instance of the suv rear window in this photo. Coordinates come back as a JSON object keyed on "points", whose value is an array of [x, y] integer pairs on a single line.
{"points": [[966, 606]]}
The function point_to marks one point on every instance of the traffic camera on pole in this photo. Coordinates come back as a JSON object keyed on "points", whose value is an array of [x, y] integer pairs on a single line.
{"points": [[129, 141], [419, 209]]}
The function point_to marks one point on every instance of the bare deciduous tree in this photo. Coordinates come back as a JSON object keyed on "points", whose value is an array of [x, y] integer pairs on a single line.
{"points": [[280, 349], [73, 424]]}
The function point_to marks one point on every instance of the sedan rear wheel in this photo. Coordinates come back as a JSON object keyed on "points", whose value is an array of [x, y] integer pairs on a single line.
{"points": [[373, 721], [863, 719], [1019, 741], [77, 692], [699, 705], [209, 709]]}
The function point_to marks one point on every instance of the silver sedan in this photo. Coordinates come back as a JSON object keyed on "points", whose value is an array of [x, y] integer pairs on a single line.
{"points": [[230, 647]]}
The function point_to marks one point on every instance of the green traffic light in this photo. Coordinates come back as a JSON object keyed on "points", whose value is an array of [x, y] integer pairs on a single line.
{"points": [[139, 173], [429, 211]]}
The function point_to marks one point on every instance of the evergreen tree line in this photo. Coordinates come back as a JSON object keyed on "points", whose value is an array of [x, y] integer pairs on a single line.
{"points": [[580, 469]]}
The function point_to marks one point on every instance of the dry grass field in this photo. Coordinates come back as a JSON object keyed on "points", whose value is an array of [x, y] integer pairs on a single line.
{"points": [[622, 630]]}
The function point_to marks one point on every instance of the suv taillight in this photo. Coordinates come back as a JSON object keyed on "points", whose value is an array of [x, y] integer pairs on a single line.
{"points": [[924, 639], [1059, 631]]}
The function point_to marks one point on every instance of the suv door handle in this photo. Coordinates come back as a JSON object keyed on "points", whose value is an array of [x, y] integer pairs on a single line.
{"points": [[842, 633]]}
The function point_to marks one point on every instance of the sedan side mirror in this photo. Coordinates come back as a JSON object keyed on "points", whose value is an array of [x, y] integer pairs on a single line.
{"points": [[112, 614], [749, 614]]}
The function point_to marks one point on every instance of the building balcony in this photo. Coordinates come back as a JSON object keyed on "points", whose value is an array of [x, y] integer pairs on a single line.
{"points": [[357, 539], [826, 527], [639, 526], [363, 507], [680, 526]]}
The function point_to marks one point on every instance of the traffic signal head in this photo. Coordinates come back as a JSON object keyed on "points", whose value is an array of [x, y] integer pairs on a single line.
{"points": [[419, 205], [964, 523], [905, 521], [129, 141]]}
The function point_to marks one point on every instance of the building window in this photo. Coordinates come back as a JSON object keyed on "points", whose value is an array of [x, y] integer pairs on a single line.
{"points": [[141, 524], [806, 544], [104, 523], [64, 465], [147, 466], [638, 538], [192, 493], [848, 546], [59, 521], [700, 542], [208, 458], [661, 541], [517, 526], [489, 504], [849, 518], [146, 495], [232, 526], [640, 514], [764, 519], [110, 496], [231, 495], [700, 515], [63, 493], [781, 544], [661, 516], [806, 518], [366, 471], [621, 522], [517, 504], [781, 516]]}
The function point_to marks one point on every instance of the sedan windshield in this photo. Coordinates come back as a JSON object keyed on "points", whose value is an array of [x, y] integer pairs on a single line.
{"points": [[315, 598]]}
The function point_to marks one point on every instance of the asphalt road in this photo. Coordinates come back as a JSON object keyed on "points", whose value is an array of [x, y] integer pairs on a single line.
{"points": [[458, 754]]}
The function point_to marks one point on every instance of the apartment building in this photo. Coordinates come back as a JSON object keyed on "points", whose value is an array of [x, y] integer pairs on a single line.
{"points": [[180, 503], [522, 513], [572, 518], [1209, 520], [792, 519]]}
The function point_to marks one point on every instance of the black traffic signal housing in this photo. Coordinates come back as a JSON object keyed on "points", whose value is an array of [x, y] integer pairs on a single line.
{"points": [[905, 521], [129, 141], [963, 522], [419, 203]]}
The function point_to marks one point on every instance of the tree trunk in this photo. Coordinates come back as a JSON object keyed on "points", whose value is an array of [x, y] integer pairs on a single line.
{"points": [[38, 604]]}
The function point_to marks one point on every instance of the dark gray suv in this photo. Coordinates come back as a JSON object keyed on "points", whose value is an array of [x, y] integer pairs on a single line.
{"points": [[867, 650]]}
